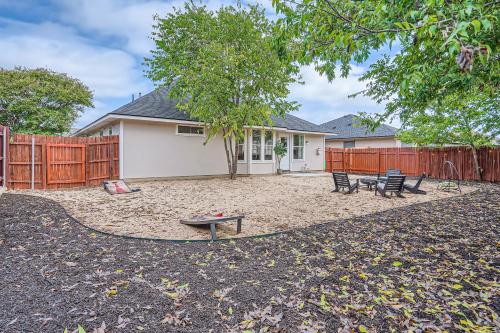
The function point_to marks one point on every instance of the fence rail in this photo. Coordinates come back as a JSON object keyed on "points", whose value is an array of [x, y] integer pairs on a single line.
{"points": [[51, 162], [415, 161]]}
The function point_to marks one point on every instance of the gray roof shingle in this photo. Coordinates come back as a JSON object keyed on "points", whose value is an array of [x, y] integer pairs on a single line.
{"points": [[156, 104], [345, 128]]}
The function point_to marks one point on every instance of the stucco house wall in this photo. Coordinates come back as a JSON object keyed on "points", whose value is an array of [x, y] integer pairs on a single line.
{"points": [[366, 143], [314, 155], [155, 150]]}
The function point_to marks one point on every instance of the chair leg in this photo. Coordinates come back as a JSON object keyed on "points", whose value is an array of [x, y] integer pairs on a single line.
{"points": [[238, 227]]}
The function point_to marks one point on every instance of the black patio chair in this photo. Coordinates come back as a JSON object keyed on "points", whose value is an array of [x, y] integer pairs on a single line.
{"points": [[393, 184], [389, 172], [414, 188], [341, 181]]}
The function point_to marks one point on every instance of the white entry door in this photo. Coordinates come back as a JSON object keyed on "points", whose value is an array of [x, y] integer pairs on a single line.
{"points": [[285, 161]]}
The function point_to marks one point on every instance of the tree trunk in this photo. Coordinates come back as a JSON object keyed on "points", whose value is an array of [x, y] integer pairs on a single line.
{"points": [[228, 157], [235, 160], [231, 156], [479, 175]]}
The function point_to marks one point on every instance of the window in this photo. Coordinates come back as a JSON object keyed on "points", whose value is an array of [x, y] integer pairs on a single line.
{"points": [[110, 131], [101, 133], [256, 144], [349, 144], [268, 146], [241, 149], [298, 147], [190, 130]]}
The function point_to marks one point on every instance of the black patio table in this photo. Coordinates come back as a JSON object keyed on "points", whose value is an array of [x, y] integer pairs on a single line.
{"points": [[369, 182]]}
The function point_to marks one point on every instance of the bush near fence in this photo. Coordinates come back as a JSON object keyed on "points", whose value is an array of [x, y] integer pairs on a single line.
{"points": [[415, 161], [60, 162]]}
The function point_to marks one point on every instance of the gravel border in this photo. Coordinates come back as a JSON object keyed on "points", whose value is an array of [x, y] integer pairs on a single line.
{"points": [[431, 266]]}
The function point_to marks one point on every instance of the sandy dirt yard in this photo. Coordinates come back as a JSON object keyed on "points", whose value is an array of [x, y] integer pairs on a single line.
{"points": [[269, 203]]}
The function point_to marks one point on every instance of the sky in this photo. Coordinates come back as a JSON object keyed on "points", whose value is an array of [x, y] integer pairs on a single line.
{"points": [[103, 43]]}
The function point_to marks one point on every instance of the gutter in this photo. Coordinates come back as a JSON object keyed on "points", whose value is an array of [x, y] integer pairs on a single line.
{"points": [[110, 117]]}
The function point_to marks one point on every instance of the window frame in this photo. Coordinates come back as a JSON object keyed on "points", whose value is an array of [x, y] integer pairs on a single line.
{"points": [[303, 146], [245, 150], [262, 145], [189, 134]]}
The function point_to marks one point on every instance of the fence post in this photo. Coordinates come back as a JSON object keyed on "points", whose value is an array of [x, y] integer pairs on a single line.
{"points": [[343, 159], [4, 157], [111, 154], [7, 154], [33, 163], [87, 164], [378, 161], [44, 165], [348, 160]]}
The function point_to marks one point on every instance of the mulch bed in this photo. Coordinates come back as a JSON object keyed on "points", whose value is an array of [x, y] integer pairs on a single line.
{"points": [[427, 268]]}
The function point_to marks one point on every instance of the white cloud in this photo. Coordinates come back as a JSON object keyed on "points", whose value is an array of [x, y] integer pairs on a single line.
{"points": [[323, 101], [130, 20], [108, 72]]}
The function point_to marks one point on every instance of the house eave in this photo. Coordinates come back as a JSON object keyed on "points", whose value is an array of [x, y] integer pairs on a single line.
{"points": [[110, 118], [360, 138]]}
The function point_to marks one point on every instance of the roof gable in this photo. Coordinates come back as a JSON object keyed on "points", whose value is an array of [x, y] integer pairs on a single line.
{"points": [[345, 128]]}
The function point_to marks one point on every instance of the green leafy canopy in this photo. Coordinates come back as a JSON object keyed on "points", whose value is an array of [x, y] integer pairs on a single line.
{"points": [[445, 50], [472, 122], [223, 67], [41, 101]]}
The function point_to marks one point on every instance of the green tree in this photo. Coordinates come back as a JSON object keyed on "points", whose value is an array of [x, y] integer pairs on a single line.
{"points": [[469, 122], [41, 101], [223, 68], [280, 150], [443, 49]]}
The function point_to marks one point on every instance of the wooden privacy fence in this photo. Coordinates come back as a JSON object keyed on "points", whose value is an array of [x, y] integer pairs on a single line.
{"points": [[415, 161], [50, 162]]}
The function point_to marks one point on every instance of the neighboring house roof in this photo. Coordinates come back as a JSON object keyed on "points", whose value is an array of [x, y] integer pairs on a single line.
{"points": [[157, 105], [345, 128], [71, 131]]}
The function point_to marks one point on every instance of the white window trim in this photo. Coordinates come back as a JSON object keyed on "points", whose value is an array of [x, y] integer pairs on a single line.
{"points": [[303, 148], [245, 150], [251, 146], [189, 134], [262, 146]]}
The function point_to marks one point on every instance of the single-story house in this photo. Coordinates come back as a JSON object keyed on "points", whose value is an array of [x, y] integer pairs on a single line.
{"points": [[157, 140], [347, 134]]}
